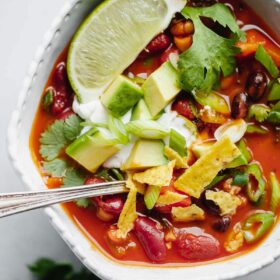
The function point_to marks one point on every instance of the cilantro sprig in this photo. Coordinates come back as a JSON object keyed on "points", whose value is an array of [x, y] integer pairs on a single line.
{"points": [[46, 269], [58, 135], [210, 54]]}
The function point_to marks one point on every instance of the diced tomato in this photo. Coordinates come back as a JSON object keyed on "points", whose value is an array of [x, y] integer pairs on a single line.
{"points": [[94, 180], [194, 245], [166, 54], [254, 38], [183, 107], [168, 208]]}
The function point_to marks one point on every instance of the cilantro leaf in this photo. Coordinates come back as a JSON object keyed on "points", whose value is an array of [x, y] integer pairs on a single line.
{"points": [[83, 202], [53, 141], [74, 177], [58, 136], [46, 269], [56, 167], [210, 54], [259, 112], [72, 127]]}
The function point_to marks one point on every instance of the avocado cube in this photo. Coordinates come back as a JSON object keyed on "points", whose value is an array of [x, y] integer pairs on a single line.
{"points": [[92, 149], [121, 96], [146, 154], [141, 112], [161, 87]]}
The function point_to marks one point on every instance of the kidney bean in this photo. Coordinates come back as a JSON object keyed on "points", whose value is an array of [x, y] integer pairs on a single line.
{"points": [[59, 105], [240, 106], [183, 107], [65, 114], [160, 43], [196, 245], [111, 204], [168, 208], [222, 224], [256, 85], [60, 76], [166, 54], [151, 238]]}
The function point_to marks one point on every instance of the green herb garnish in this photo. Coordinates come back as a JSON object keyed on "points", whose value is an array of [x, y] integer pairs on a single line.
{"points": [[46, 269], [259, 111], [210, 54], [56, 167]]}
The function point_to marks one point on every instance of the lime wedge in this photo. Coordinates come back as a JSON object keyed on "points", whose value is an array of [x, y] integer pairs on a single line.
{"points": [[111, 38]]}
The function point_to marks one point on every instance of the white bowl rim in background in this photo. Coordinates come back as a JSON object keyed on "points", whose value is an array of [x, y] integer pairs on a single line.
{"points": [[92, 258]]}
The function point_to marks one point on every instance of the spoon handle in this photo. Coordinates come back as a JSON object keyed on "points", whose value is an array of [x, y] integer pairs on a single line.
{"points": [[14, 203]]}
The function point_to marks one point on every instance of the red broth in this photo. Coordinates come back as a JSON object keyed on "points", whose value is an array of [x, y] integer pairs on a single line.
{"points": [[264, 150]]}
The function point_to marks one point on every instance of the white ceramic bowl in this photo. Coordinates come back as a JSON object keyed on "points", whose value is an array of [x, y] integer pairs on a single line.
{"points": [[54, 42]]}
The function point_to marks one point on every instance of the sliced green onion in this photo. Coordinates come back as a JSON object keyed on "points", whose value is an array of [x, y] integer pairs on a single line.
{"points": [[274, 93], [177, 142], [147, 129], [263, 222], [241, 179], [214, 100], [256, 129], [274, 116], [93, 124], [190, 126], [117, 127], [151, 196], [117, 174], [266, 60], [243, 159], [255, 192], [244, 150], [259, 111], [275, 192], [217, 180], [48, 99], [156, 117]]}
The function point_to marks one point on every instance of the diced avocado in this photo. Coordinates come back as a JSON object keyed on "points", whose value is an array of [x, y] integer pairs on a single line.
{"points": [[146, 154], [92, 149], [161, 87], [141, 112], [121, 96]]}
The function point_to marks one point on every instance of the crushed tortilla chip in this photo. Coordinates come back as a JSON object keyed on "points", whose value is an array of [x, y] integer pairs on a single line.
{"points": [[128, 214], [235, 239], [187, 214], [160, 176], [203, 171], [130, 184], [227, 202], [169, 197], [180, 162]]}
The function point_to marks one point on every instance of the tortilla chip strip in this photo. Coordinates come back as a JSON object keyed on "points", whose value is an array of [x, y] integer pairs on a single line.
{"points": [[130, 184], [128, 214], [204, 170], [169, 197], [160, 176], [180, 162], [187, 214]]}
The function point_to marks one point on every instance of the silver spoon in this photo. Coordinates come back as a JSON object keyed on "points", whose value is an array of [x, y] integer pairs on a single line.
{"points": [[14, 203]]}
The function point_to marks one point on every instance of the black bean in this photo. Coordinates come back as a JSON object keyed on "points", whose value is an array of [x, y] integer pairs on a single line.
{"points": [[240, 106], [222, 224], [211, 206], [256, 85]]}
